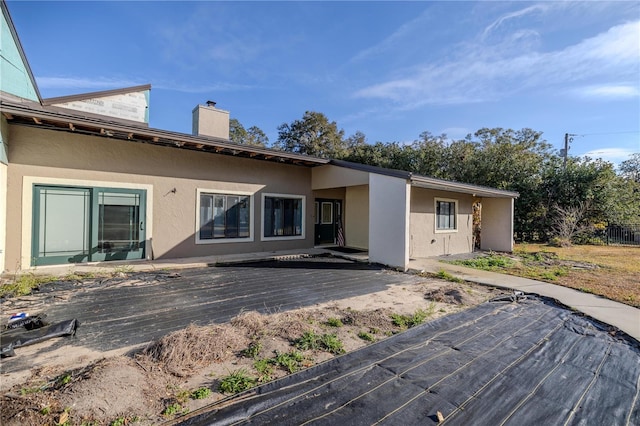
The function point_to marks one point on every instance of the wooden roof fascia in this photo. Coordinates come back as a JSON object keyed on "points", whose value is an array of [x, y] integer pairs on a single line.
{"points": [[155, 135]]}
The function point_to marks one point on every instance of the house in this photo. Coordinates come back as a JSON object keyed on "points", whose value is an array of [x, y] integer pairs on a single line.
{"points": [[84, 178]]}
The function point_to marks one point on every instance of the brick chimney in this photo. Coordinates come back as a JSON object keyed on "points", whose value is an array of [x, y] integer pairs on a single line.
{"points": [[210, 121]]}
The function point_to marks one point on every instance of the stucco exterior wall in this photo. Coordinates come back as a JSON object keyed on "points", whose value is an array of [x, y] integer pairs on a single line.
{"points": [[425, 241], [4, 135], [356, 221], [497, 224], [389, 220], [36, 154], [337, 177]]}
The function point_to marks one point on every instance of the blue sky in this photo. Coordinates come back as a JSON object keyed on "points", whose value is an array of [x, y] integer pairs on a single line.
{"points": [[388, 69]]}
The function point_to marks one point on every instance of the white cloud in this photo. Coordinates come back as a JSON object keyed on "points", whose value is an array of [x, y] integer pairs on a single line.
{"points": [[608, 91], [483, 72], [517, 14], [613, 155]]}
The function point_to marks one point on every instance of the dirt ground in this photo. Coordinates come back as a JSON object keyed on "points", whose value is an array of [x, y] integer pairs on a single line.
{"points": [[183, 371]]}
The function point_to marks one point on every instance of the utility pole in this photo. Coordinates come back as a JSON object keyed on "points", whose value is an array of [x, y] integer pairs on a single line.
{"points": [[565, 152]]}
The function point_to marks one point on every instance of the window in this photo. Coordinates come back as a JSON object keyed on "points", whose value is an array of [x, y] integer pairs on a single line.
{"points": [[224, 217], [327, 213], [446, 215], [283, 216]]}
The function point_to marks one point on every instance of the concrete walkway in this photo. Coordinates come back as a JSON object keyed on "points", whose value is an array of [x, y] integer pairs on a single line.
{"points": [[624, 317]]}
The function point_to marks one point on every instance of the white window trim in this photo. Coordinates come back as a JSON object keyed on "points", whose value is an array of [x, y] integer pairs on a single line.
{"points": [[248, 239], [304, 220], [435, 216], [28, 183]]}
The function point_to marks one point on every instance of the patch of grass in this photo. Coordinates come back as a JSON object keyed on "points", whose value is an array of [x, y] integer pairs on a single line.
{"points": [[264, 367], [201, 393], [45, 410], [366, 336], [308, 341], [123, 269], [408, 321], [326, 342], [27, 391], [289, 361], [491, 262], [444, 275], [236, 382], [174, 409], [24, 284], [183, 396], [252, 351], [331, 343], [120, 421], [334, 322]]}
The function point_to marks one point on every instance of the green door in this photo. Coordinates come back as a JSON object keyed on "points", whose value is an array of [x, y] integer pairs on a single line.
{"points": [[72, 225]]}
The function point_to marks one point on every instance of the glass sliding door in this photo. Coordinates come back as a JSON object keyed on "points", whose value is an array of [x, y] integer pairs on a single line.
{"points": [[61, 222], [72, 225], [120, 225]]}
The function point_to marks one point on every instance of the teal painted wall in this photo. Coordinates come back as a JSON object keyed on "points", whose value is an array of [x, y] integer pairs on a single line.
{"points": [[14, 78]]}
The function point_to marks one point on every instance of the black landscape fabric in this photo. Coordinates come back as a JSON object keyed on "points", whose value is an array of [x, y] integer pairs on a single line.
{"points": [[526, 363], [16, 338]]}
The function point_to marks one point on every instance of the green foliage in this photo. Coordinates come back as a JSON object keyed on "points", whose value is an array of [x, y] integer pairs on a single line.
{"points": [[491, 262], [334, 322], [326, 342], [120, 421], [366, 336], [24, 284], [264, 368], [253, 350], [331, 344], [408, 321], [444, 275], [236, 382], [201, 393], [313, 135], [45, 410], [252, 136], [173, 409], [289, 361]]}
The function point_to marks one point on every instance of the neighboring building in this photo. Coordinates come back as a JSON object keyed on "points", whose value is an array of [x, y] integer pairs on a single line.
{"points": [[84, 179]]}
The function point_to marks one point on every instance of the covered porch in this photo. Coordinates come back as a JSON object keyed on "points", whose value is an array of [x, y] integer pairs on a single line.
{"points": [[394, 216]]}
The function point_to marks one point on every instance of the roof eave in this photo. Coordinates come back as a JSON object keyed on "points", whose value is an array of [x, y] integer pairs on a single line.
{"points": [[474, 190]]}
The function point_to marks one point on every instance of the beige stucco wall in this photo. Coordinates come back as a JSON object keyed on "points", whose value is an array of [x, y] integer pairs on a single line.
{"points": [[4, 137], [424, 240], [36, 153], [497, 224], [337, 177], [356, 221]]}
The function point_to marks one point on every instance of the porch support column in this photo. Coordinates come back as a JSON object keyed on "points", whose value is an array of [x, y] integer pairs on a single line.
{"points": [[497, 224], [389, 202]]}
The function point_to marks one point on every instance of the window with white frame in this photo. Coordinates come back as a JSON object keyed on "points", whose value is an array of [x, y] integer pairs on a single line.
{"points": [[224, 217], [283, 216], [446, 218]]}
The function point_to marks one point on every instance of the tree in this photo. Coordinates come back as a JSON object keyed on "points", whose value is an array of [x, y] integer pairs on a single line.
{"points": [[253, 136], [631, 168], [313, 135]]}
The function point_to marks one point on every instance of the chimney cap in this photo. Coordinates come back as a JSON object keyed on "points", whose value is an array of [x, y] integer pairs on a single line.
{"points": [[211, 104]]}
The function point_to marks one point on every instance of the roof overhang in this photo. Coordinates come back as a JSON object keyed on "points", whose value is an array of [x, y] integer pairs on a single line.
{"points": [[464, 188], [35, 115]]}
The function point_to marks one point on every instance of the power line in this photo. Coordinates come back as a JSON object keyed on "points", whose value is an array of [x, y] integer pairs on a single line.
{"points": [[608, 133]]}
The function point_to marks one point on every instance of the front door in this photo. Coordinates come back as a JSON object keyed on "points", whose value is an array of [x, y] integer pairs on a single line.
{"points": [[328, 220], [72, 224]]}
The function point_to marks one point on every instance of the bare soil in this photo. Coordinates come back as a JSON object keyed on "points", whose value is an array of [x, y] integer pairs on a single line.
{"points": [[114, 388]]}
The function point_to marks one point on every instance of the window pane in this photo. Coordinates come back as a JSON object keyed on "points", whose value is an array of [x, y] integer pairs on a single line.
{"points": [[232, 213], [244, 217], [327, 213], [118, 222], [63, 222], [206, 217], [297, 217], [218, 216], [446, 215]]}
